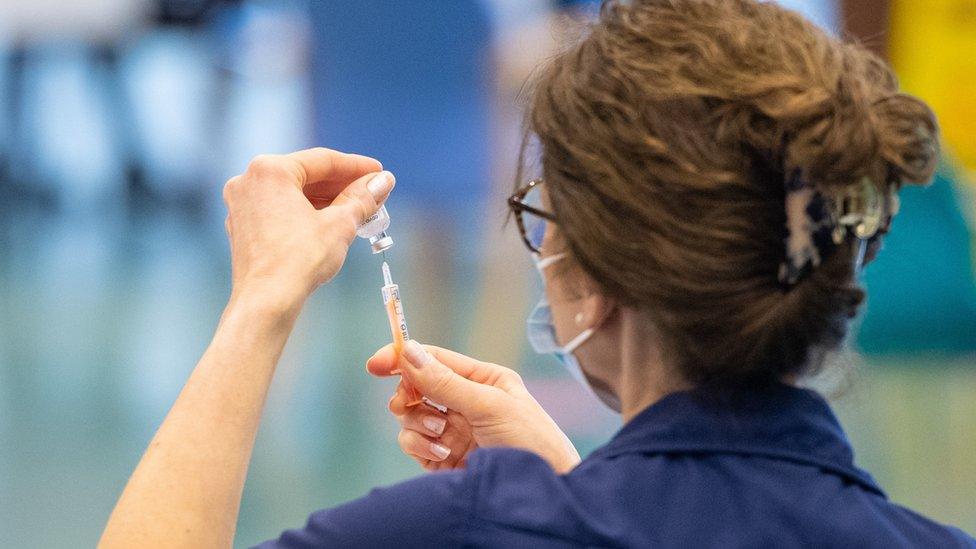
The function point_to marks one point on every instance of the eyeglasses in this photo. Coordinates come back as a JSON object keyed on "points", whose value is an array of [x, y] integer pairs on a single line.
{"points": [[531, 219]]}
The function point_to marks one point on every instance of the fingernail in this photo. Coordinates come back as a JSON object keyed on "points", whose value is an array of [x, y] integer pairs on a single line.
{"points": [[415, 354], [381, 185], [435, 424], [440, 451]]}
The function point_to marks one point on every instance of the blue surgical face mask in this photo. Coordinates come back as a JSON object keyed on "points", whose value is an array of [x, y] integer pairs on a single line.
{"points": [[542, 336]]}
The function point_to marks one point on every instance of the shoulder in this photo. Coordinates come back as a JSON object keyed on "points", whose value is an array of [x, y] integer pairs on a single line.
{"points": [[433, 508], [499, 489], [520, 499], [503, 468]]}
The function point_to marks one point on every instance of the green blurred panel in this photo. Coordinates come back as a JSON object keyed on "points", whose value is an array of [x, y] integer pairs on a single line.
{"points": [[911, 424], [921, 291]]}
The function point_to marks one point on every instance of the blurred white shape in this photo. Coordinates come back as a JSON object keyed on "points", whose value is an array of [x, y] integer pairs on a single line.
{"points": [[265, 117], [38, 20], [269, 107], [170, 80], [4, 109], [66, 123], [523, 35], [272, 41], [822, 12], [508, 14]]}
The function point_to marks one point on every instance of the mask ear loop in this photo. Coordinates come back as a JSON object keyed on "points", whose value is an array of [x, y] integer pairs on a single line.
{"points": [[542, 262], [583, 336], [578, 340]]}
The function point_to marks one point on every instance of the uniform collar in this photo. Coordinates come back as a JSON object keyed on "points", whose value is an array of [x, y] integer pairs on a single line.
{"points": [[779, 422]]}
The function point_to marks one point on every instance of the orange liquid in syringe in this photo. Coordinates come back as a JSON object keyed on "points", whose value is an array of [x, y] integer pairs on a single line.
{"points": [[398, 327]]}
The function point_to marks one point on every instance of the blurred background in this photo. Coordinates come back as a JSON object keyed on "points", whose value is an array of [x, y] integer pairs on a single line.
{"points": [[120, 120]]}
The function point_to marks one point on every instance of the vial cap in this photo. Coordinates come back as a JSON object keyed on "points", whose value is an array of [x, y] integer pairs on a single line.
{"points": [[382, 244]]}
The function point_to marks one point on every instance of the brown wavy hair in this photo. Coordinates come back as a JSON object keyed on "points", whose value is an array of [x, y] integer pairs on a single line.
{"points": [[665, 134]]}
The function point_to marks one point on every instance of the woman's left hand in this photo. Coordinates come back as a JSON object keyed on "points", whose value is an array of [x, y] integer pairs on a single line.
{"points": [[488, 405], [291, 219]]}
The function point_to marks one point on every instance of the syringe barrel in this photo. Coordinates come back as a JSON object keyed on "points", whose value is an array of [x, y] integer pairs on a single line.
{"points": [[398, 327], [394, 312]]}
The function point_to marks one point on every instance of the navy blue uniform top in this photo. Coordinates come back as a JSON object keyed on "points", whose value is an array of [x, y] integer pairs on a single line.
{"points": [[773, 469]]}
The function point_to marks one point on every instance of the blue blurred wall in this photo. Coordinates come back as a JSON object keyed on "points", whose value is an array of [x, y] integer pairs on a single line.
{"points": [[407, 82]]}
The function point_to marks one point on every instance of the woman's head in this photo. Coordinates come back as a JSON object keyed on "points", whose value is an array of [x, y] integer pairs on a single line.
{"points": [[667, 135]]}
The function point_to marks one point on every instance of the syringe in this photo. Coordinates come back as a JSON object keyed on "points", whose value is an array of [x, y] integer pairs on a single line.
{"points": [[398, 326]]}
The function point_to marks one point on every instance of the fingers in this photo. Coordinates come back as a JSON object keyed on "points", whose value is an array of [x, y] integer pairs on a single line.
{"points": [[476, 380], [431, 423], [419, 446], [399, 400], [359, 200], [385, 362], [450, 431], [321, 174], [407, 398], [325, 172], [427, 464], [475, 370], [445, 386]]}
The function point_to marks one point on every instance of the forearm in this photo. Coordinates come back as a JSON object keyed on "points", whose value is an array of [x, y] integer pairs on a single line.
{"points": [[186, 490], [290, 220]]}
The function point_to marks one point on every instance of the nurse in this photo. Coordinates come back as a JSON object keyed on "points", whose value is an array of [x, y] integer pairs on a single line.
{"points": [[715, 174]]}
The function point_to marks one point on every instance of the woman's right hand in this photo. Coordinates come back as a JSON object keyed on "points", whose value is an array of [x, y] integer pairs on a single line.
{"points": [[488, 405], [291, 219]]}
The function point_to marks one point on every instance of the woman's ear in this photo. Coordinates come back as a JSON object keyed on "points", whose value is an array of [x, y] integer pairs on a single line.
{"points": [[596, 308]]}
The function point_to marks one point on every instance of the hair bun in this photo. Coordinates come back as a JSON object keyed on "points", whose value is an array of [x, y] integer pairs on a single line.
{"points": [[669, 135], [908, 133]]}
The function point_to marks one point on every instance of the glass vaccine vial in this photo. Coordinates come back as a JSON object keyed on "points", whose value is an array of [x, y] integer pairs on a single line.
{"points": [[374, 230]]}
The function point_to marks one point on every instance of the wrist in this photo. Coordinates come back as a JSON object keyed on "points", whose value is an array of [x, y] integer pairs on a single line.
{"points": [[562, 456], [566, 462], [268, 299], [560, 451]]}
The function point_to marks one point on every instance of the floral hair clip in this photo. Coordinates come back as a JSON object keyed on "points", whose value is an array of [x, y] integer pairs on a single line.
{"points": [[817, 224]]}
